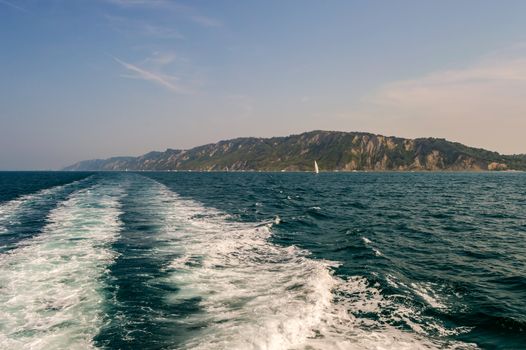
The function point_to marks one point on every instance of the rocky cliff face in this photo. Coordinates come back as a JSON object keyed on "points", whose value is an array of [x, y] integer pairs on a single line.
{"points": [[343, 151]]}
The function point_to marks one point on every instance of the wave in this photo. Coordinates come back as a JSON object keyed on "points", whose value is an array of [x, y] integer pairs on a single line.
{"points": [[50, 288], [254, 294], [120, 265], [23, 217], [10, 207]]}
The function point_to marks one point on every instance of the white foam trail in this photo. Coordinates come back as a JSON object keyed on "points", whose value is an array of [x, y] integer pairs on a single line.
{"points": [[258, 295], [368, 242], [414, 318], [10, 210], [50, 287], [425, 290]]}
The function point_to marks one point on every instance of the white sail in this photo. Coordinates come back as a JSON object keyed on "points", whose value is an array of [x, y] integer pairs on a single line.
{"points": [[316, 169]]}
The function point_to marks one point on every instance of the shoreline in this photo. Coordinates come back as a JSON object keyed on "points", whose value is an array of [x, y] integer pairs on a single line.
{"points": [[271, 171]]}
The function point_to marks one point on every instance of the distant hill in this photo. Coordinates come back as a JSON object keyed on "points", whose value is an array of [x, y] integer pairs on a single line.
{"points": [[333, 150]]}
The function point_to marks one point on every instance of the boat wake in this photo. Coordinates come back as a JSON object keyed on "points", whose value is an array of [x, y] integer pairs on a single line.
{"points": [[18, 216], [49, 285], [129, 263], [258, 295]]}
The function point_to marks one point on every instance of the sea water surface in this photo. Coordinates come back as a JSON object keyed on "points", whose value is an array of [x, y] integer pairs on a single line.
{"points": [[177, 260]]}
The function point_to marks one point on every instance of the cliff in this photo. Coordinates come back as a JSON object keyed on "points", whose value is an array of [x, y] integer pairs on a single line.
{"points": [[343, 151]]}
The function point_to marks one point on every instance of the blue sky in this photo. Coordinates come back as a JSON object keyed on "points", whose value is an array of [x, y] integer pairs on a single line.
{"points": [[82, 79]]}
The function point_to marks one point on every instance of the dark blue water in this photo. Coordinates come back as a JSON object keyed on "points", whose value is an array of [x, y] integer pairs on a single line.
{"points": [[263, 260]]}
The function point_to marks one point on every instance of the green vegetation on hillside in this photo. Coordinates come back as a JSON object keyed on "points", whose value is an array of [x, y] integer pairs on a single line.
{"points": [[342, 151]]}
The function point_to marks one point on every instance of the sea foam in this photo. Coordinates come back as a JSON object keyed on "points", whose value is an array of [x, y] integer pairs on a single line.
{"points": [[258, 295], [50, 291], [12, 211]]}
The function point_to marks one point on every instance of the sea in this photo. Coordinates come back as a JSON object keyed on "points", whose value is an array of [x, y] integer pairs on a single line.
{"points": [[197, 260]]}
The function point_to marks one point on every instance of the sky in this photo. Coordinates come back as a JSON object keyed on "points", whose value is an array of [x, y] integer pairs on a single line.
{"points": [[84, 79]]}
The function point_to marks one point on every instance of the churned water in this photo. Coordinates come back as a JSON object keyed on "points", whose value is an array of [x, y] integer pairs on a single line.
{"points": [[262, 260]]}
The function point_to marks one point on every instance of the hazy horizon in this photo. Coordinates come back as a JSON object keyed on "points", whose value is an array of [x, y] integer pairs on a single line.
{"points": [[95, 79]]}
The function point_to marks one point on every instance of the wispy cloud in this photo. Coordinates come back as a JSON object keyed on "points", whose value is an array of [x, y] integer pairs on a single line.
{"points": [[482, 101], [186, 11], [13, 5], [206, 21], [126, 25], [498, 78], [161, 59], [160, 32], [148, 3], [170, 82]]}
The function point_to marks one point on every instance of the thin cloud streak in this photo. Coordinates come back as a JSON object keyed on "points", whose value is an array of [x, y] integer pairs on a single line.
{"points": [[161, 32], [145, 3], [481, 104], [10, 4], [189, 12], [206, 21], [500, 76], [164, 80], [125, 25], [161, 59]]}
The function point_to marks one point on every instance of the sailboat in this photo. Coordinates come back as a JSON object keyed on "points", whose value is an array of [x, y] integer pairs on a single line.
{"points": [[316, 169]]}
